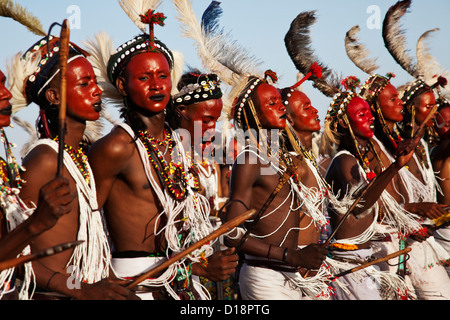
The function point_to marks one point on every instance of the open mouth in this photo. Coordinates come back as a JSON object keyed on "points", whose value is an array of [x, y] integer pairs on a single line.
{"points": [[158, 97], [284, 116], [98, 106], [6, 111], [372, 126]]}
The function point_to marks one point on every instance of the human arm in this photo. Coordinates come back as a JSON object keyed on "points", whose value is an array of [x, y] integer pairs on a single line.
{"points": [[69, 285], [243, 180], [55, 199]]}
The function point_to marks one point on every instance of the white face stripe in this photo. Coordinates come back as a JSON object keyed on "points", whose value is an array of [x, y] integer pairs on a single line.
{"points": [[57, 71]]}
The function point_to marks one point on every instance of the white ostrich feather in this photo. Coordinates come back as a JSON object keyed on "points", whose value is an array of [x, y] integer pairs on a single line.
{"points": [[101, 48], [18, 70], [218, 52]]}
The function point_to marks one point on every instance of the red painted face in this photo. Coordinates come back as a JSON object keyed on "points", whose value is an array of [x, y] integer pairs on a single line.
{"points": [[271, 110], [423, 106], [5, 105], [303, 115], [442, 121], [148, 82], [83, 93], [200, 120], [360, 118], [390, 104]]}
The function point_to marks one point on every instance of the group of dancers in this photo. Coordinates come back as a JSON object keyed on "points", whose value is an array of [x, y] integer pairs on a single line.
{"points": [[354, 210]]}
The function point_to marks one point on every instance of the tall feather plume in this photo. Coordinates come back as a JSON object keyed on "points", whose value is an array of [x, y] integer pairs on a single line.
{"points": [[18, 70], [298, 45], [358, 53], [394, 37], [100, 49], [133, 8], [427, 65], [18, 13], [219, 53]]}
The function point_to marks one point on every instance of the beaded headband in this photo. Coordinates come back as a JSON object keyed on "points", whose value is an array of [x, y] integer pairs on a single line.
{"points": [[373, 86], [126, 51], [252, 84], [48, 47], [341, 100], [207, 87], [414, 88]]}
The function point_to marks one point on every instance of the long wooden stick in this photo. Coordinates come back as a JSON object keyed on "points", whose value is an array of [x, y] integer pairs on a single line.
{"points": [[376, 261], [13, 263], [64, 55], [423, 125], [349, 211], [226, 227]]}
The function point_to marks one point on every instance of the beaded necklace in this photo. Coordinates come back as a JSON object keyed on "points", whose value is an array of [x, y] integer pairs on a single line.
{"points": [[10, 167], [172, 173], [308, 154], [79, 158]]}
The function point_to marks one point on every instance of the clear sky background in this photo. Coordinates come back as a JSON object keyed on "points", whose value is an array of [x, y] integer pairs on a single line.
{"points": [[257, 25]]}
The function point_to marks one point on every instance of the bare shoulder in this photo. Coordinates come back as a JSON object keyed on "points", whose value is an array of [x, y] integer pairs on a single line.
{"points": [[118, 145], [42, 159], [343, 169]]}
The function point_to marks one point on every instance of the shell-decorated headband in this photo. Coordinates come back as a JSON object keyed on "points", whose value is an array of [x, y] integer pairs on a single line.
{"points": [[207, 87], [126, 51], [42, 56]]}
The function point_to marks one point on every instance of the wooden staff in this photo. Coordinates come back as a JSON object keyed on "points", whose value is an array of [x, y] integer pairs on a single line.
{"points": [[424, 123], [284, 178], [226, 227], [13, 263], [349, 211], [368, 264], [63, 56]]}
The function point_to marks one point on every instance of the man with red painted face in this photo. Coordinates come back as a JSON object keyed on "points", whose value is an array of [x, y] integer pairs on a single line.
{"points": [[403, 214], [83, 272], [18, 229], [303, 122], [196, 109], [440, 159], [272, 257], [146, 187], [419, 99], [350, 126]]}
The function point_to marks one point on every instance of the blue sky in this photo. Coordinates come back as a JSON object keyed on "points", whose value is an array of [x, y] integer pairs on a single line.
{"points": [[258, 25]]}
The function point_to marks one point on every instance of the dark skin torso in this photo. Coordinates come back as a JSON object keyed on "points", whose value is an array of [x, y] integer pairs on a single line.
{"points": [[344, 173], [309, 232], [128, 199]]}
